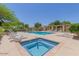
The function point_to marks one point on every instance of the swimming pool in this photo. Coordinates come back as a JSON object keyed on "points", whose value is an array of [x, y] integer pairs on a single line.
{"points": [[41, 33], [38, 46]]}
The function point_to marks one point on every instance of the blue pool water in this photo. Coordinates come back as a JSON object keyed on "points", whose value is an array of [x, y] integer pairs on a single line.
{"points": [[41, 33], [38, 46]]}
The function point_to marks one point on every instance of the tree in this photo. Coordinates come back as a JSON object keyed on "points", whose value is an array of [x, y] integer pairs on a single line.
{"points": [[26, 26], [66, 22], [37, 26], [8, 19], [6, 15], [52, 24], [57, 22], [10, 25], [74, 28]]}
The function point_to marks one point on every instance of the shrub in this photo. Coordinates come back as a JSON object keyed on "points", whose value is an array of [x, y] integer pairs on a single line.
{"points": [[74, 28], [1, 32]]}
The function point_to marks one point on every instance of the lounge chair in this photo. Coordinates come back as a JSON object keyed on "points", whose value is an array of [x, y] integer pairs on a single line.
{"points": [[16, 37]]}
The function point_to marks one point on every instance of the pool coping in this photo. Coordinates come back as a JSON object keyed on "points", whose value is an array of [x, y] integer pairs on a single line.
{"points": [[21, 50], [39, 39], [54, 50]]}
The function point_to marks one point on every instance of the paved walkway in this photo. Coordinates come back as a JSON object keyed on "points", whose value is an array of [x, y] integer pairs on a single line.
{"points": [[67, 46], [8, 48]]}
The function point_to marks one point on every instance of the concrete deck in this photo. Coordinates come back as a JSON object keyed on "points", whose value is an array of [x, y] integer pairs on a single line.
{"points": [[67, 46]]}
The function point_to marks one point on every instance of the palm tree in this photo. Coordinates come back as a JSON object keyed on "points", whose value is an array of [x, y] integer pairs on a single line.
{"points": [[37, 26]]}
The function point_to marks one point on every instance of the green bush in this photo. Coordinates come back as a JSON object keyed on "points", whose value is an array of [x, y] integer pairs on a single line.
{"points": [[1, 32], [74, 28]]}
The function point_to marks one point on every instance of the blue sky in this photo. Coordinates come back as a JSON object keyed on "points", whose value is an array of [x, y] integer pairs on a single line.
{"points": [[45, 13]]}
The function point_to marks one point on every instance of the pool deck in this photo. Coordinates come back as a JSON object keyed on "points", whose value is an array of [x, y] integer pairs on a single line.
{"points": [[67, 46]]}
